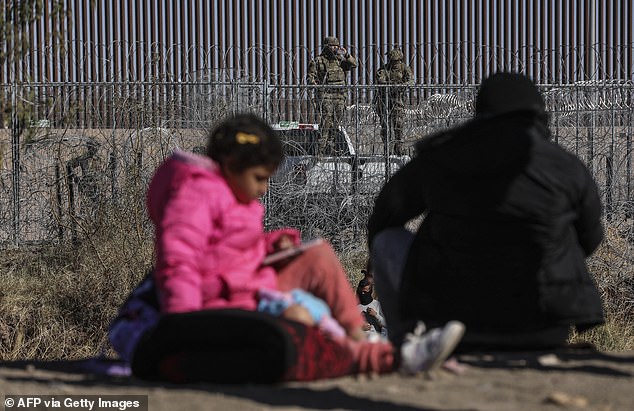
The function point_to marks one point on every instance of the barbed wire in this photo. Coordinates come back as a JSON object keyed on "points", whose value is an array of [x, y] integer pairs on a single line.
{"points": [[433, 63], [70, 170]]}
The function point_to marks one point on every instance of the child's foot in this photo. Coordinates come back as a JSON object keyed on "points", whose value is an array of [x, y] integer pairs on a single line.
{"points": [[426, 351]]}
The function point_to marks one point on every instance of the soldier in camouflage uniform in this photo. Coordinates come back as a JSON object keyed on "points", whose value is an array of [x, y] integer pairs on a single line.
{"points": [[329, 69], [388, 101]]}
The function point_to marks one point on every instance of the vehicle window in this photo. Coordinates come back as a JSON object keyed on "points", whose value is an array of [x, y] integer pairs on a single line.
{"points": [[299, 142]]}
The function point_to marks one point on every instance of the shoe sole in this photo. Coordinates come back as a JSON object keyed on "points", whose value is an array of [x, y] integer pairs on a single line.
{"points": [[452, 334]]}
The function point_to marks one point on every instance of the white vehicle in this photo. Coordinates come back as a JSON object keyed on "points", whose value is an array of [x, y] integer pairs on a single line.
{"points": [[342, 174], [312, 191], [301, 165]]}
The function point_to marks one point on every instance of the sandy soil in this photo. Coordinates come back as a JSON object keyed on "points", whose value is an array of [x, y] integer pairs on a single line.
{"points": [[563, 380]]}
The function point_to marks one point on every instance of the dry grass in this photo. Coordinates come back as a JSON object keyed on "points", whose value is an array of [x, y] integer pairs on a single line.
{"points": [[617, 334], [613, 269], [612, 266], [56, 301]]}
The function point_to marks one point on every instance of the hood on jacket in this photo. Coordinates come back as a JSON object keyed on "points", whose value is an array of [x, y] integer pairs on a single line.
{"points": [[174, 169], [483, 146], [510, 112], [506, 92]]}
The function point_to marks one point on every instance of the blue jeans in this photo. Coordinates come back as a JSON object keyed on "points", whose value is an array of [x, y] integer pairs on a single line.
{"points": [[388, 255]]}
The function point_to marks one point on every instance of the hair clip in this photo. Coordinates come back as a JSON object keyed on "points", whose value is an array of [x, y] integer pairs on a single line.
{"points": [[244, 138]]}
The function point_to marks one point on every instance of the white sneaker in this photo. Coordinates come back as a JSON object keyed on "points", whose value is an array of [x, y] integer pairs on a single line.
{"points": [[427, 351]]}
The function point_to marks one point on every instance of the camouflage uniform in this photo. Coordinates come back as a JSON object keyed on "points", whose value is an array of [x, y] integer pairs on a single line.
{"points": [[388, 101], [329, 69], [90, 181]]}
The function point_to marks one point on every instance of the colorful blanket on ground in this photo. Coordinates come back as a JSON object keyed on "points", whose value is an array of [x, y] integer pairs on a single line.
{"points": [[138, 314]]}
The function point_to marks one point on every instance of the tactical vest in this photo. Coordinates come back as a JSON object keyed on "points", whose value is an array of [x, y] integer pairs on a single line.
{"points": [[393, 75], [397, 74], [330, 71]]}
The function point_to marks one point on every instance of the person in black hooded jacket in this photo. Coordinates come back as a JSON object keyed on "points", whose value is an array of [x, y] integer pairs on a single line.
{"points": [[509, 218]]}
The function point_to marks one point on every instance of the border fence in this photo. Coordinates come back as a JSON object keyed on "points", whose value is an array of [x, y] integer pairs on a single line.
{"points": [[71, 151], [445, 42]]}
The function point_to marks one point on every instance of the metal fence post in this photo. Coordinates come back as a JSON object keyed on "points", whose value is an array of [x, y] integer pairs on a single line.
{"points": [[265, 99], [113, 155], [15, 164], [628, 170], [609, 164]]}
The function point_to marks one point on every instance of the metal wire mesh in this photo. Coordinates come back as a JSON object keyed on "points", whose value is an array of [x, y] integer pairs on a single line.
{"points": [[85, 147]]}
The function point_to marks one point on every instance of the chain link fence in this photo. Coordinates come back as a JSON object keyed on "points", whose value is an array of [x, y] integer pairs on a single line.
{"points": [[74, 152]]}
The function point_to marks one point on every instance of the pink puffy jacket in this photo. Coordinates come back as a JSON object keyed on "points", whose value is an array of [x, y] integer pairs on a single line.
{"points": [[208, 245]]}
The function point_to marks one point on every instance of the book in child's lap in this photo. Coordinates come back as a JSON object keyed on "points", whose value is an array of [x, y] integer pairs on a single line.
{"points": [[291, 252]]}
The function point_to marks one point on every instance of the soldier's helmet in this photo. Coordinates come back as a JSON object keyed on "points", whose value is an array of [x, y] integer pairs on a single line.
{"points": [[395, 54], [331, 41]]}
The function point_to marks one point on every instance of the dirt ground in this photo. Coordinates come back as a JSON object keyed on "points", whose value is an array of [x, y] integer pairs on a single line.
{"points": [[562, 380]]}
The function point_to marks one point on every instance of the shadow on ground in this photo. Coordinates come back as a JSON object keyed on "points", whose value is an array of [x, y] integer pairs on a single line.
{"points": [[584, 360], [282, 395]]}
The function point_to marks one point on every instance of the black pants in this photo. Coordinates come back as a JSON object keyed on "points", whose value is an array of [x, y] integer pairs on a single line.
{"points": [[535, 339], [224, 346]]}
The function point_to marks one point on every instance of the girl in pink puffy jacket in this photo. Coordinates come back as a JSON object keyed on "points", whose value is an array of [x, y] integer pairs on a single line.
{"points": [[210, 243]]}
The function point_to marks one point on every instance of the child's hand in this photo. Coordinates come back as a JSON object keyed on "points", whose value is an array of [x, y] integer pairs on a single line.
{"points": [[371, 311], [366, 327], [285, 241]]}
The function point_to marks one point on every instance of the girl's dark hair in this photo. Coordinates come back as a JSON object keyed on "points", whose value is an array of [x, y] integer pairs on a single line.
{"points": [[243, 141]]}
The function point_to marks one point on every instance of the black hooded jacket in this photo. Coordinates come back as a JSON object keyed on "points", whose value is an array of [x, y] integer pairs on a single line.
{"points": [[509, 219]]}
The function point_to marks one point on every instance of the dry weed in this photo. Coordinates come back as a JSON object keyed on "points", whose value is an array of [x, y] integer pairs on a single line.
{"points": [[613, 269], [56, 301]]}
